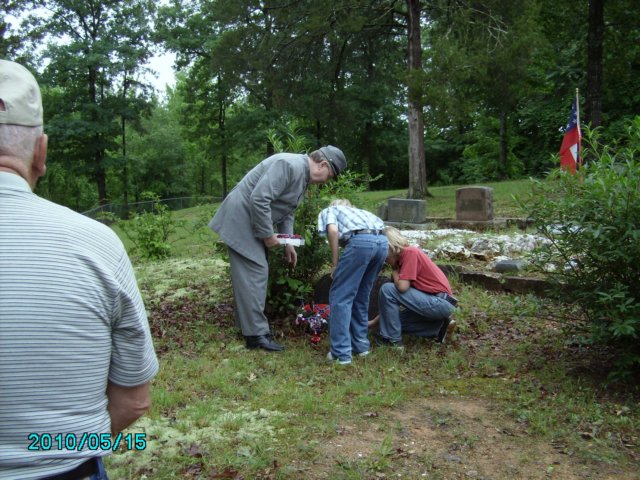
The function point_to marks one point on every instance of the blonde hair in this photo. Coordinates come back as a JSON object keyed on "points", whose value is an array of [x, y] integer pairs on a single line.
{"points": [[397, 241], [340, 202]]}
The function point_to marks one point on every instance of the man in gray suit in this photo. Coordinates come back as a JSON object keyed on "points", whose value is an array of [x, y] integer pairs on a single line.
{"points": [[266, 196]]}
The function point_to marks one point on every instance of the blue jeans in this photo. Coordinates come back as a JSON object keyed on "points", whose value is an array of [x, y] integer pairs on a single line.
{"points": [[413, 312], [102, 473], [354, 276]]}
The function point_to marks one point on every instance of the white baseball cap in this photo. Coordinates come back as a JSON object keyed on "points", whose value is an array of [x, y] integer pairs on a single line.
{"points": [[20, 100]]}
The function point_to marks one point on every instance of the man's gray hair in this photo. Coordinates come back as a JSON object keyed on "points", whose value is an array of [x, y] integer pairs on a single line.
{"points": [[18, 141], [317, 156]]}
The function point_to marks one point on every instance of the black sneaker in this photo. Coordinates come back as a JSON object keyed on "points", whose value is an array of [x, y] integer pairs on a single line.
{"points": [[386, 342], [446, 330]]}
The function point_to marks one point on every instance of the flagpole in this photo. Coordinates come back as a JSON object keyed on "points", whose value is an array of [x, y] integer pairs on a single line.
{"points": [[579, 130]]}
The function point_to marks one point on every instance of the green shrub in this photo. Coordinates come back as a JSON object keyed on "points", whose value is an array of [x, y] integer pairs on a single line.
{"points": [[592, 222], [150, 231], [288, 288]]}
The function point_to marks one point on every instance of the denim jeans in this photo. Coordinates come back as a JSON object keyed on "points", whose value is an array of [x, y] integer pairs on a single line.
{"points": [[102, 473], [412, 312], [354, 276]]}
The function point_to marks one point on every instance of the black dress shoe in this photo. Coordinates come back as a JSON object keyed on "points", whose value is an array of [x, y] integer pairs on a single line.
{"points": [[264, 342]]}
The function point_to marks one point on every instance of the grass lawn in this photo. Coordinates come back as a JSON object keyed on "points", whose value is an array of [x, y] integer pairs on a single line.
{"points": [[516, 395], [442, 203]]}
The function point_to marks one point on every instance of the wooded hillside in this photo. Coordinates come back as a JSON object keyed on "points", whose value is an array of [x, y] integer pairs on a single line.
{"points": [[494, 86]]}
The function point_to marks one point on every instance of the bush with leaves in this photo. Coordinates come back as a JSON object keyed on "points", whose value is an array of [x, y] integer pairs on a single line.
{"points": [[288, 288], [150, 231], [592, 222]]}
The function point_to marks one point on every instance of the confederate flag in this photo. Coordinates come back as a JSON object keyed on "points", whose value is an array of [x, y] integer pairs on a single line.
{"points": [[570, 148]]}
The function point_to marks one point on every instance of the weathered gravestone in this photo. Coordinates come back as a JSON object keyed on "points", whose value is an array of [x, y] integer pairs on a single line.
{"points": [[474, 204], [405, 210]]}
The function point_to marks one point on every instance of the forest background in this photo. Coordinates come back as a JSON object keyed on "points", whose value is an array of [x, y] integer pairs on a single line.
{"points": [[492, 81]]}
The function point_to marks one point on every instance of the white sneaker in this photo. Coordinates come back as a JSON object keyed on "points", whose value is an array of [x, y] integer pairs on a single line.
{"points": [[362, 354], [331, 358]]}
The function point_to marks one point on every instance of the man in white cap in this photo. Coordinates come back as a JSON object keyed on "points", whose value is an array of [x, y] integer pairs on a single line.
{"points": [[266, 197], [76, 355]]}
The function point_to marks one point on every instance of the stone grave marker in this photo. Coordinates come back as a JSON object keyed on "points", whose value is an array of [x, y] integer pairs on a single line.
{"points": [[405, 210], [474, 204]]}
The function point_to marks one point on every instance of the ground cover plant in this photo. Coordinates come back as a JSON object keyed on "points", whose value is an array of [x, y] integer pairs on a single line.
{"points": [[516, 395]]}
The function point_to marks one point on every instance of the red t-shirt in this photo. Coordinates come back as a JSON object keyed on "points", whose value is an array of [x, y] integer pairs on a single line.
{"points": [[414, 265]]}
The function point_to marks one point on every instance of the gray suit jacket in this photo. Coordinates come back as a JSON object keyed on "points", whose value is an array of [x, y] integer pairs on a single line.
{"points": [[266, 196]]}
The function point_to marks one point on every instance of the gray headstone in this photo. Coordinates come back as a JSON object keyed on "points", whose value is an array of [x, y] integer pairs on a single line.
{"points": [[382, 212], [506, 266], [474, 204], [405, 210]]}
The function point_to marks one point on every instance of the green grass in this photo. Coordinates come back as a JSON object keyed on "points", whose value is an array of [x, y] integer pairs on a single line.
{"points": [[221, 411], [217, 406], [442, 203]]}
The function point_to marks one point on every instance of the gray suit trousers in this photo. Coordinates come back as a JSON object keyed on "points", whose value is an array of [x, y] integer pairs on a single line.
{"points": [[249, 279]]}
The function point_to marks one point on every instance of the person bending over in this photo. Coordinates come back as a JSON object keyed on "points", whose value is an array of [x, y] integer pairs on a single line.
{"points": [[353, 273]]}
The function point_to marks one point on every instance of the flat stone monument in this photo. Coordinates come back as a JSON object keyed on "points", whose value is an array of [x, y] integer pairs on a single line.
{"points": [[405, 210], [474, 204], [382, 212]]}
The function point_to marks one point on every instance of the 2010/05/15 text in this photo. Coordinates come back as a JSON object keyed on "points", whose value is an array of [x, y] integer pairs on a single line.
{"points": [[90, 441]]}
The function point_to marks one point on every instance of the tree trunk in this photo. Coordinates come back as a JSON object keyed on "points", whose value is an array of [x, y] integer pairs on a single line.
{"points": [[100, 174], [101, 177], [125, 161], [417, 169], [594, 62], [125, 172], [223, 141], [503, 146]]}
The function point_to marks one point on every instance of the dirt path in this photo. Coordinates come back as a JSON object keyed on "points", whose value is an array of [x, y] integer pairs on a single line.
{"points": [[446, 438]]}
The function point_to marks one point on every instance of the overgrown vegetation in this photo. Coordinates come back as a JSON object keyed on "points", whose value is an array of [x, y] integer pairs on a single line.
{"points": [[514, 381], [517, 395], [150, 231], [497, 82], [592, 220]]}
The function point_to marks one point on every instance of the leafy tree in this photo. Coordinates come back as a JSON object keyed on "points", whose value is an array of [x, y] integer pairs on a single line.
{"points": [[10, 42], [158, 158], [480, 58], [95, 49], [591, 221], [312, 60], [620, 78], [496, 83]]}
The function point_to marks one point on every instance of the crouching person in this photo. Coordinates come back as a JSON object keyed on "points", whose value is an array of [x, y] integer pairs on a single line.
{"points": [[418, 302]]}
